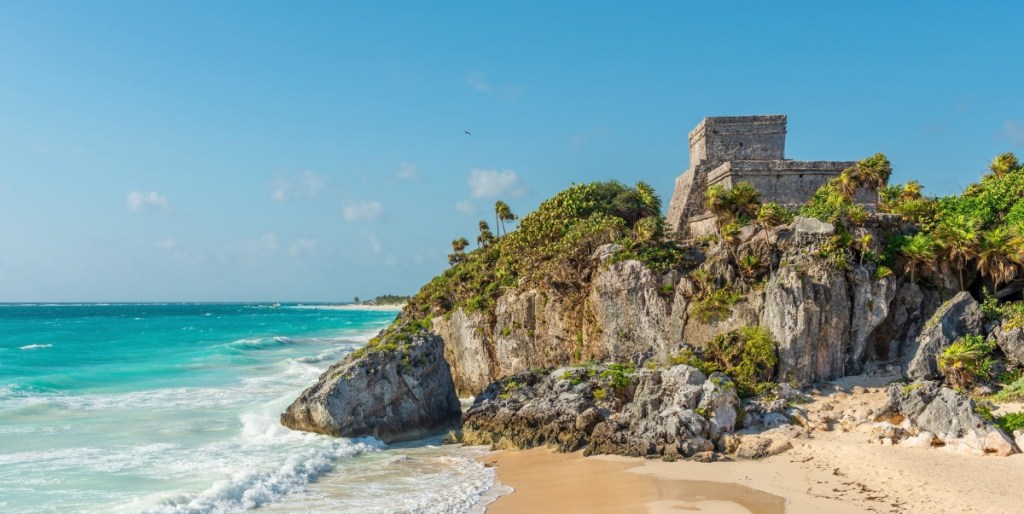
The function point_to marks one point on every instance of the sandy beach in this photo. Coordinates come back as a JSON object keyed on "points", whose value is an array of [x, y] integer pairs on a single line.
{"points": [[832, 471]]}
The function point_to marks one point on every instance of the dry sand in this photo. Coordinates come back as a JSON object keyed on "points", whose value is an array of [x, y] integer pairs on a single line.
{"points": [[835, 472]]}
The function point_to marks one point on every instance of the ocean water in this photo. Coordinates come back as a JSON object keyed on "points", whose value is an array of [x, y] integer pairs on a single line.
{"points": [[174, 408]]}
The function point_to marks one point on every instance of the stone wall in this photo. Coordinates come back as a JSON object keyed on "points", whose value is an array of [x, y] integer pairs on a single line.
{"points": [[738, 138], [728, 150]]}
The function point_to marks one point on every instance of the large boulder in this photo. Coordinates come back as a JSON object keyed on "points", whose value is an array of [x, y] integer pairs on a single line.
{"points": [[1011, 342], [959, 316], [950, 415], [401, 390]]}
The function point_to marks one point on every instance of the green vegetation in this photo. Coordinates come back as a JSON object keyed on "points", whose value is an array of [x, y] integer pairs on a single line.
{"points": [[508, 389], [1011, 422], [1013, 392], [966, 361], [983, 227], [551, 249], [748, 356], [620, 376], [386, 299], [739, 204]]}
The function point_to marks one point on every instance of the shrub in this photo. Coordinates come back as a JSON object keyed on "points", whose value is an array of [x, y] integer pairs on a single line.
{"points": [[1011, 422], [747, 355], [1014, 392], [966, 361], [619, 375]]}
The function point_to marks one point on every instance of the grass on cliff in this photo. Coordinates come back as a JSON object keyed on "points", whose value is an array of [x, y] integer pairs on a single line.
{"points": [[552, 248]]}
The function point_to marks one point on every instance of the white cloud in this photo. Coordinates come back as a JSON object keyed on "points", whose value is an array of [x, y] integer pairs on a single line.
{"points": [[137, 200], [296, 186], [466, 207], [305, 245], [362, 211], [407, 171], [476, 80], [270, 242], [166, 244], [375, 245], [1014, 132], [494, 183]]}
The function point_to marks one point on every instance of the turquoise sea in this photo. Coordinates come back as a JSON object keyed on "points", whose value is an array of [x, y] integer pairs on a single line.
{"points": [[174, 408]]}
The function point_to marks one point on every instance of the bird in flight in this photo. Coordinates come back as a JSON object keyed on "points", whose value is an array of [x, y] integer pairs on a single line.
{"points": [[467, 133]]}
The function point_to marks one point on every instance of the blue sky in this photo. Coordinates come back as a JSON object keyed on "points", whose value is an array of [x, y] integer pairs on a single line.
{"points": [[289, 151]]}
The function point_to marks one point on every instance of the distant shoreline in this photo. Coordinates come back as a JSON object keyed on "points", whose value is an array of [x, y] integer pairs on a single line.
{"points": [[353, 307]]}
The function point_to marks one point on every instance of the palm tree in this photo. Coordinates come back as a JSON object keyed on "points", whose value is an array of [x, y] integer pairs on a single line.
{"points": [[503, 213], [874, 172], [863, 244], [847, 183], [1003, 164], [745, 200], [957, 237], [486, 237], [649, 197], [994, 259], [911, 191], [718, 201], [918, 253], [458, 251]]}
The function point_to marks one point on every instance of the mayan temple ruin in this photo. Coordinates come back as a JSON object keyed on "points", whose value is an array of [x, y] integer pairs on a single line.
{"points": [[733, 149]]}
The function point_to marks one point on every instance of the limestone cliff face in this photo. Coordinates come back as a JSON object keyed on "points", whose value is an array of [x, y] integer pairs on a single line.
{"points": [[634, 311], [828, 321]]}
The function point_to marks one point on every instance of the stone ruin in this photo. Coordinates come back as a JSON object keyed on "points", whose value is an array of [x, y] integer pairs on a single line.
{"points": [[733, 149]]}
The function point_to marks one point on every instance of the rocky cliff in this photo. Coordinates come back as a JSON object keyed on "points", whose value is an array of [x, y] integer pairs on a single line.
{"points": [[826, 320]]}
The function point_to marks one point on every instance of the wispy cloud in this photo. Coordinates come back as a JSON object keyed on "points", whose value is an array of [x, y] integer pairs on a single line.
{"points": [[166, 244], [407, 171], [295, 186], [356, 210], [1014, 133], [303, 246], [466, 207], [494, 183], [479, 83], [138, 200], [374, 243], [270, 242], [581, 139]]}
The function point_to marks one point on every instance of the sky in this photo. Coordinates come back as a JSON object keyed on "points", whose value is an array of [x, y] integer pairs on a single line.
{"points": [[316, 151]]}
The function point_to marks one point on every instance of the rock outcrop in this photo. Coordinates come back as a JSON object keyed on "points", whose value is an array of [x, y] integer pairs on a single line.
{"points": [[951, 416], [400, 393], [956, 318], [672, 413], [1011, 342], [807, 311]]}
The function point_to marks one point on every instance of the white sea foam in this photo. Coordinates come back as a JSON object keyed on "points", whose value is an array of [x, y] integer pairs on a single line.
{"points": [[36, 346], [252, 487], [174, 398]]}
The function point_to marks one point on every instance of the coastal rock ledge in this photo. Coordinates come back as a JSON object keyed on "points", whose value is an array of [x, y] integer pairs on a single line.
{"points": [[397, 390]]}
